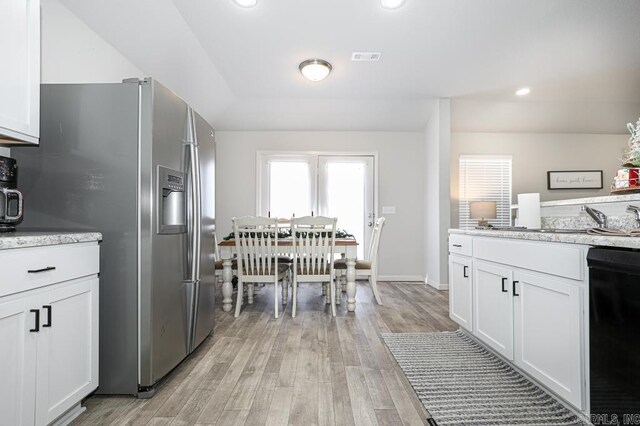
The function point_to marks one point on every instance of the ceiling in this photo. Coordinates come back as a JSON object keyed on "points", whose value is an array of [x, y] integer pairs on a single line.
{"points": [[239, 66]]}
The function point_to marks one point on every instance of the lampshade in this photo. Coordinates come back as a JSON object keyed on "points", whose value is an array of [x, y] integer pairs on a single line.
{"points": [[482, 210], [315, 69]]}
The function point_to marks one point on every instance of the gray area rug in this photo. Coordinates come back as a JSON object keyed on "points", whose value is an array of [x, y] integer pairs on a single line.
{"points": [[461, 383]]}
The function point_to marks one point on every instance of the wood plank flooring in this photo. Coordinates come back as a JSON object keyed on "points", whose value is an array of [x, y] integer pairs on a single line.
{"points": [[308, 370]]}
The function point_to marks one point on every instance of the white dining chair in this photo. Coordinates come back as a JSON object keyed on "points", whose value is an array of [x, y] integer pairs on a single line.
{"points": [[256, 241], [367, 267], [314, 240]]}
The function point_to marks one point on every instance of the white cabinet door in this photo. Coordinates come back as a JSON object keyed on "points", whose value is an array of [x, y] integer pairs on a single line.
{"points": [[18, 361], [493, 306], [547, 317], [20, 71], [460, 291], [68, 348]]}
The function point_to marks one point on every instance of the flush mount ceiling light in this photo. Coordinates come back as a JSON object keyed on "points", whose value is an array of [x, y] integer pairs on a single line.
{"points": [[391, 4], [246, 3], [523, 91], [315, 69]]}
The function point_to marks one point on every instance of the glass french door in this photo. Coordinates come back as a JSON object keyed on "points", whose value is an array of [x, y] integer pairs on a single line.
{"points": [[339, 186], [345, 191]]}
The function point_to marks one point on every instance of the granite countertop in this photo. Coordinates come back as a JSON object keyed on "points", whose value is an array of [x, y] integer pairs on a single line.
{"points": [[10, 240], [577, 238], [593, 200]]}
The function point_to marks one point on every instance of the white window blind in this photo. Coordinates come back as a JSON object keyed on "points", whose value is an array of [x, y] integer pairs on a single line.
{"points": [[485, 178]]}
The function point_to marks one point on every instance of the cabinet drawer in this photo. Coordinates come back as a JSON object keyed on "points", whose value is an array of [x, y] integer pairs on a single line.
{"points": [[29, 268], [460, 244], [563, 260]]}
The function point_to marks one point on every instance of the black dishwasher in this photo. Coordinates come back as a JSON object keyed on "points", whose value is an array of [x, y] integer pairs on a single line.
{"points": [[614, 335]]}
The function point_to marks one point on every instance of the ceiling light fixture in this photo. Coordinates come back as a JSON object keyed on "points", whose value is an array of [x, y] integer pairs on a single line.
{"points": [[315, 69], [523, 92], [391, 4], [246, 3]]}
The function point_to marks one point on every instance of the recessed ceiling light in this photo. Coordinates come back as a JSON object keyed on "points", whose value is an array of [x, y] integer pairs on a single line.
{"points": [[523, 91], [315, 69], [246, 3], [391, 4]]}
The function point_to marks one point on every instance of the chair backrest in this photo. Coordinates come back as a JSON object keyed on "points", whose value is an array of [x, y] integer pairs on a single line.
{"points": [[314, 240], [375, 241], [216, 248], [257, 245]]}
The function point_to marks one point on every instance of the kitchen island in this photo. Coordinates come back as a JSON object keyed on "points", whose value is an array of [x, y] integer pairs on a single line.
{"points": [[524, 295]]}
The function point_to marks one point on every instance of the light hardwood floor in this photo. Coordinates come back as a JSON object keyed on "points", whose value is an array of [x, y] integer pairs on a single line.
{"points": [[308, 370]]}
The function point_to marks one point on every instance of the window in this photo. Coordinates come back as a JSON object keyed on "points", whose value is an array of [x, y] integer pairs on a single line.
{"points": [[485, 178], [288, 187]]}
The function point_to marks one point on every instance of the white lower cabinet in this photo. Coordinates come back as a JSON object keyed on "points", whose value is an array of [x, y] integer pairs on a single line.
{"points": [[460, 291], [17, 362], [48, 341], [547, 321], [533, 318], [493, 306], [67, 349]]}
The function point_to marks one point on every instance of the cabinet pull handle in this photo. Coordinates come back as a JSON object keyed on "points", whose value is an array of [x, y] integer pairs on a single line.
{"points": [[36, 328], [457, 245], [48, 309], [504, 281], [514, 288], [37, 271], [464, 272]]}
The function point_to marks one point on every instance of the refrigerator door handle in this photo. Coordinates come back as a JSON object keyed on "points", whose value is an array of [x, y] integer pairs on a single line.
{"points": [[192, 218], [198, 213]]}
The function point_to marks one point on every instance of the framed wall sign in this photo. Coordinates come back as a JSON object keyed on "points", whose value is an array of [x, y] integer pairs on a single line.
{"points": [[574, 179]]}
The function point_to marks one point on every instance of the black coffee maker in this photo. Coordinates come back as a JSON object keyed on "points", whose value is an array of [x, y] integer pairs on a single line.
{"points": [[10, 197]]}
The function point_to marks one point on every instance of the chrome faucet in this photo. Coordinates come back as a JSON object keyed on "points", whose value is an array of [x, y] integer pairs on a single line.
{"points": [[636, 211], [597, 215]]}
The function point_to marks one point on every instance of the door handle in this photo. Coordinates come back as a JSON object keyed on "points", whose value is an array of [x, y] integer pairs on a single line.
{"points": [[48, 309], [457, 245], [464, 271], [514, 288], [36, 327], [504, 281], [370, 224], [37, 271]]}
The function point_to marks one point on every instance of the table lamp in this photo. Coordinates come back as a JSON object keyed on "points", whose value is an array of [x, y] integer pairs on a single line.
{"points": [[482, 210]]}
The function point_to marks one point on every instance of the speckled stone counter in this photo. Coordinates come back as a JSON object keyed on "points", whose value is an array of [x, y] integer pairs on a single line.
{"points": [[578, 238], [12, 240]]}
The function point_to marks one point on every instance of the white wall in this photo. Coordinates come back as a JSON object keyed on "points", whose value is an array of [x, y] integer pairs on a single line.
{"points": [[436, 197], [534, 154], [400, 156], [73, 53]]}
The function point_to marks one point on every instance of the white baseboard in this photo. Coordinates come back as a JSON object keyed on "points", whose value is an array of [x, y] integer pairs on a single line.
{"points": [[409, 278], [437, 285]]}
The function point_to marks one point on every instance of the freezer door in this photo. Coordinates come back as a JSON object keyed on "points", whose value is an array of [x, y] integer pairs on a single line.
{"points": [[165, 295], [205, 292]]}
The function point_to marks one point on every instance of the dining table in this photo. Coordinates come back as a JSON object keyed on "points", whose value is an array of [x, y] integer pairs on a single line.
{"points": [[346, 247]]}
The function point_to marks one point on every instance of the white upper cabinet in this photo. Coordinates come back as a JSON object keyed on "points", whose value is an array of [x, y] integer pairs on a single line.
{"points": [[19, 72]]}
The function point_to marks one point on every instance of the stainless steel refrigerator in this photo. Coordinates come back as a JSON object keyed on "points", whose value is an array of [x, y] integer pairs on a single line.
{"points": [[133, 161]]}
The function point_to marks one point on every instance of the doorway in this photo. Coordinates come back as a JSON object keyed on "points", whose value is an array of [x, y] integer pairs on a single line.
{"points": [[327, 184]]}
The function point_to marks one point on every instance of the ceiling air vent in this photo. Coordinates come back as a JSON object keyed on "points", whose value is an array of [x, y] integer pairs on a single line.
{"points": [[365, 56]]}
